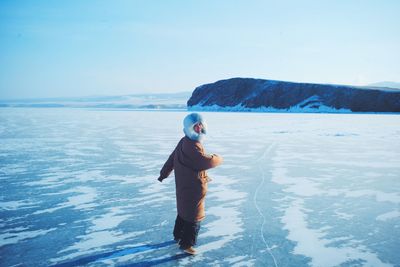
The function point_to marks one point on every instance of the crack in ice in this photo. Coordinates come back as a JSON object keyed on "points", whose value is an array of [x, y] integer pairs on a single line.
{"points": [[267, 150]]}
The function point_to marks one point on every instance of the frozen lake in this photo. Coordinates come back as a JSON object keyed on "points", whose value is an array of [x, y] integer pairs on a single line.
{"points": [[78, 187]]}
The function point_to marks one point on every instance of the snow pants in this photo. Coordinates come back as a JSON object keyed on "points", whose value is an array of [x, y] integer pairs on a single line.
{"points": [[186, 231]]}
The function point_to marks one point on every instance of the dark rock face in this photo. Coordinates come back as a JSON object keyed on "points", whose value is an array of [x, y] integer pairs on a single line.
{"points": [[247, 94]]}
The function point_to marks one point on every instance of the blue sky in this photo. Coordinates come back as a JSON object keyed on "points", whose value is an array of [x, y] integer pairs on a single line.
{"points": [[81, 48]]}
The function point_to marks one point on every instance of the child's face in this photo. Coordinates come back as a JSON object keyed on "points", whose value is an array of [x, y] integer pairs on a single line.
{"points": [[198, 127]]}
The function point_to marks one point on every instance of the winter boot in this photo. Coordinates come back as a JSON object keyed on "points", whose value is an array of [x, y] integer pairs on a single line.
{"points": [[190, 250]]}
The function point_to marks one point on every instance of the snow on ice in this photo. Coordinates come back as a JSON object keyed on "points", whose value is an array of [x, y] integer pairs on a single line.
{"points": [[79, 188]]}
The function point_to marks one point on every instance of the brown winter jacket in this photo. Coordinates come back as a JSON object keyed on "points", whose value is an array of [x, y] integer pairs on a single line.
{"points": [[190, 163]]}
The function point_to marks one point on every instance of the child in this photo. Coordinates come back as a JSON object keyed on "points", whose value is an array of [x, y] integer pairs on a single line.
{"points": [[190, 163]]}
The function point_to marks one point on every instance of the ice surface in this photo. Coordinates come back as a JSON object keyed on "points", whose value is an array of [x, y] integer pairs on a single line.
{"points": [[79, 188]]}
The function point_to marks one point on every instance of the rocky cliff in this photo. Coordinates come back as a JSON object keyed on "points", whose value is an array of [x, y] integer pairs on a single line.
{"points": [[246, 94]]}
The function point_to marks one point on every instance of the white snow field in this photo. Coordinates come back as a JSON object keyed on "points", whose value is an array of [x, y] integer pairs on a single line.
{"points": [[79, 188]]}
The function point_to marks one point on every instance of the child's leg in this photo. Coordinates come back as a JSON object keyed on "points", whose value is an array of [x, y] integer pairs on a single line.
{"points": [[189, 235], [178, 228]]}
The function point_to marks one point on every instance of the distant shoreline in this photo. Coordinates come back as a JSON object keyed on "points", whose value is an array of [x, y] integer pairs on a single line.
{"points": [[202, 111]]}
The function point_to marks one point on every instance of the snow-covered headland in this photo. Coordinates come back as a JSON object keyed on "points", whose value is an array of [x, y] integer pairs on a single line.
{"points": [[257, 95]]}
